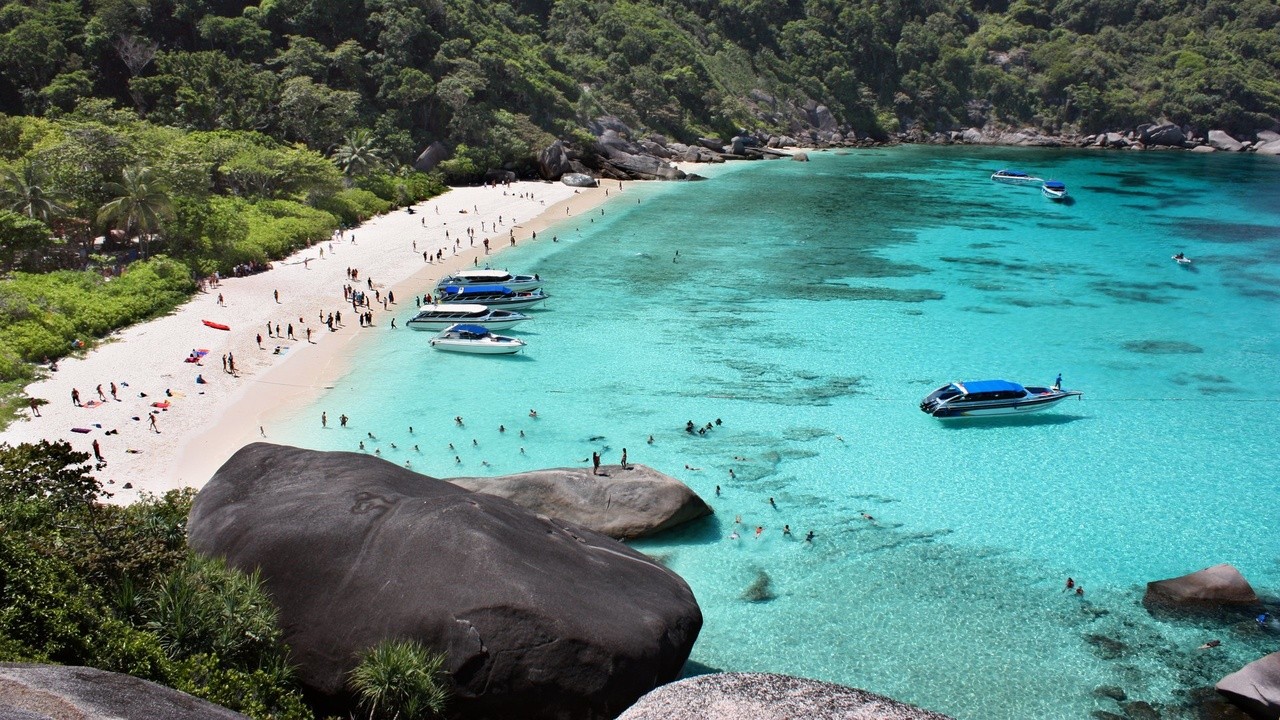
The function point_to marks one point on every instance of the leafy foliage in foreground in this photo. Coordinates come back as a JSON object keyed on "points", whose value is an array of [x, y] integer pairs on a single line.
{"points": [[400, 679], [115, 588]]}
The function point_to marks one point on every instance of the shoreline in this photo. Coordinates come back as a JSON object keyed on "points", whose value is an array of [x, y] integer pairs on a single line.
{"points": [[199, 426]]}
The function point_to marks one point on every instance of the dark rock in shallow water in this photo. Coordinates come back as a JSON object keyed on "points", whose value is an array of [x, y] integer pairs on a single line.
{"points": [[1255, 687], [1110, 691], [759, 590], [1140, 710], [538, 618], [622, 504], [766, 696], [81, 693], [1208, 589]]}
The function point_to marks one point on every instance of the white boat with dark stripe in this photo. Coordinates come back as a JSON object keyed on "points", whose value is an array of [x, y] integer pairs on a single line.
{"points": [[475, 340], [440, 317], [485, 276], [983, 398]]}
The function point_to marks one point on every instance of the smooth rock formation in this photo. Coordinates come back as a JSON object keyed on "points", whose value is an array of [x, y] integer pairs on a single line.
{"points": [[56, 692], [579, 180], [435, 154], [553, 162], [622, 504], [1166, 134], [1268, 148], [765, 696], [538, 618], [1214, 587], [1222, 141], [1255, 688], [800, 157]]}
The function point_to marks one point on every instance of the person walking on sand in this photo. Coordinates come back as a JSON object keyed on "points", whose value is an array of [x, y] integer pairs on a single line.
{"points": [[101, 395], [113, 392], [97, 450], [259, 341], [291, 337], [276, 293], [624, 459], [152, 418], [34, 404], [595, 463], [75, 397]]}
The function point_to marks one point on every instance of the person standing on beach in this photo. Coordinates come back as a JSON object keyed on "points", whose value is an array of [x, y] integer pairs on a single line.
{"points": [[624, 459], [276, 293], [113, 392], [97, 450], [75, 397], [152, 418], [595, 463], [259, 341], [101, 395], [291, 337]]}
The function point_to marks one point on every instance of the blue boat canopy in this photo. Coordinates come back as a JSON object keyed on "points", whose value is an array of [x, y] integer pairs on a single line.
{"points": [[1012, 173], [473, 329], [986, 386], [1055, 184], [477, 289]]}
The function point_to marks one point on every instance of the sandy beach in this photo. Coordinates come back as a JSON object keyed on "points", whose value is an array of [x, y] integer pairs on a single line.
{"points": [[199, 425]]}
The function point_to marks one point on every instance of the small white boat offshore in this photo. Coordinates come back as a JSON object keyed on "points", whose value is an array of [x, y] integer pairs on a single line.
{"points": [[475, 340], [439, 317], [464, 278], [1055, 190], [491, 295], [1182, 259], [1015, 177], [984, 398]]}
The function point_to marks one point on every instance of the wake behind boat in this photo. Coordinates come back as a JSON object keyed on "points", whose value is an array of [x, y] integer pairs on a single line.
{"points": [[491, 295], [1055, 190], [475, 340], [440, 317], [465, 278], [983, 398], [1015, 177]]}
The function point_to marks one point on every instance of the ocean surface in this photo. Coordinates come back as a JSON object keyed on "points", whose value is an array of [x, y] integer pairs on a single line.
{"points": [[804, 309]]}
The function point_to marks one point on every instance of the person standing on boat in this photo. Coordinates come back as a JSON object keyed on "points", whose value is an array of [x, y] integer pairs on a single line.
{"points": [[1057, 384]]}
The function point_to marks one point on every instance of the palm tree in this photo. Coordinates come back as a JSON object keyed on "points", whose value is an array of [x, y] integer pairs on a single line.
{"points": [[26, 194], [141, 203], [358, 153]]}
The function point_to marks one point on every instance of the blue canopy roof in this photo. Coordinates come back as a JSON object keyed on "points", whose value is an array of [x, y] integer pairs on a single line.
{"points": [[477, 289], [985, 386], [473, 329], [1055, 184]]}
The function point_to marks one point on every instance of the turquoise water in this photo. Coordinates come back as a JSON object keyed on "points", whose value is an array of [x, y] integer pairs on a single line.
{"points": [[810, 308]]}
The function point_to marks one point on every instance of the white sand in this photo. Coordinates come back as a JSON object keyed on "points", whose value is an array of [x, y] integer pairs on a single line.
{"points": [[205, 424]]}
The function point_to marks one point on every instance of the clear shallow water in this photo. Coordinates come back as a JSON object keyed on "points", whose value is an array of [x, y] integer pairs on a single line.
{"points": [[810, 308]]}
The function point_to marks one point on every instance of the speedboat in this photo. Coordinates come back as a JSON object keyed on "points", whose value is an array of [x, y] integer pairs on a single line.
{"points": [[1182, 259], [439, 317], [491, 295], [1055, 190], [982, 398], [1015, 177], [464, 278], [476, 340]]}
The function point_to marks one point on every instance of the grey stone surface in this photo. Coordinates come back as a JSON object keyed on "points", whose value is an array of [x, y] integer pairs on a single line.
{"points": [[622, 504], [56, 692], [765, 696], [435, 153], [644, 167], [538, 618], [1268, 148], [1163, 134], [1255, 687], [579, 180], [1217, 586], [1222, 141], [553, 162]]}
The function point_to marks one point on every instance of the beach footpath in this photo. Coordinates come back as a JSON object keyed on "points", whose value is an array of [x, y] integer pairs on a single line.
{"points": [[166, 402]]}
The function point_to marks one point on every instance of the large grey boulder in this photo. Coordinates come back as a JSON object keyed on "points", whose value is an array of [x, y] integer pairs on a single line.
{"points": [[435, 154], [1255, 687], [537, 618], [579, 180], [1211, 588], [620, 503], [610, 141], [553, 161], [1220, 140], [57, 692], [1268, 148], [765, 696], [1166, 134], [1266, 136], [644, 167], [711, 143]]}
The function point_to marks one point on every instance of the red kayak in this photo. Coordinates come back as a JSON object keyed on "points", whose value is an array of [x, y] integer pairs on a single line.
{"points": [[216, 325]]}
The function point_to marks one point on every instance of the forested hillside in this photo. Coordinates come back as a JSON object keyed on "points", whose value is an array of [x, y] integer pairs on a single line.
{"points": [[501, 78]]}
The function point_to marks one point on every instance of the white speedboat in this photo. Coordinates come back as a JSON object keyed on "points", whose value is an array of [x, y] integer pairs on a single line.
{"points": [[464, 278], [476, 340], [439, 317], [1182, 259], [983, 398], [1055, 190], [1015, 177], [499, 296]]}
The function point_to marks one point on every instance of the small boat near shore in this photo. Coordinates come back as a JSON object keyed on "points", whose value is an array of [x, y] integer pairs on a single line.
{"points": [[1055, 190], [491, 295], [1015, 177], [485, 276], [984, 398], [1181, 259], [440, 317], [475, 340]]}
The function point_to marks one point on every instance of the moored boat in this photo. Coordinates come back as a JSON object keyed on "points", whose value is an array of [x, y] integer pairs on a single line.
{"points": [[491, 295], [1055, 190], [439, 317], [1015, 177], [464, 278], [1182, 259], [475, 340], [982, 398]]}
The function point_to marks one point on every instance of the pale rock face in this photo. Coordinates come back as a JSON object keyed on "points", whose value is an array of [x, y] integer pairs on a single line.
{"points": [[1255, 687]]}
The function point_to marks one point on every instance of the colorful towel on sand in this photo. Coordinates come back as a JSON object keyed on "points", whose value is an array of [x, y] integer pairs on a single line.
{"points": [[162, 405], [93, 403]]}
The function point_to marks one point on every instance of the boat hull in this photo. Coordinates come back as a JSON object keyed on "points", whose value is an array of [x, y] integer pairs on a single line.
{"points": [[477, 347], [515, 303], [438, 325], [1054, 195], [997, 409]]}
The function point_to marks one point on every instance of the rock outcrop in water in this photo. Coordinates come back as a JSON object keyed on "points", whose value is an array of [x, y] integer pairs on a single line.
{"points": [[765, 696], [56, 692], [1255, 687], [1209, 589], [538, 618], [622, 504]]}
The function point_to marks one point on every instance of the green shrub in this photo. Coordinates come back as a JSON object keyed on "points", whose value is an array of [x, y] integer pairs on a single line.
{"points": [[400, 679]]}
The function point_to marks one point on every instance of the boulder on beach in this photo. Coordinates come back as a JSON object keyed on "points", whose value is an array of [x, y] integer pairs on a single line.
{"points": [[1220, 140], [622, 504], [1166, 134], [1268, 148], [553, 162], [1208, 589], [537, 618], [57, 692], [766, 696], [579, 180], [1255, 688]]}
